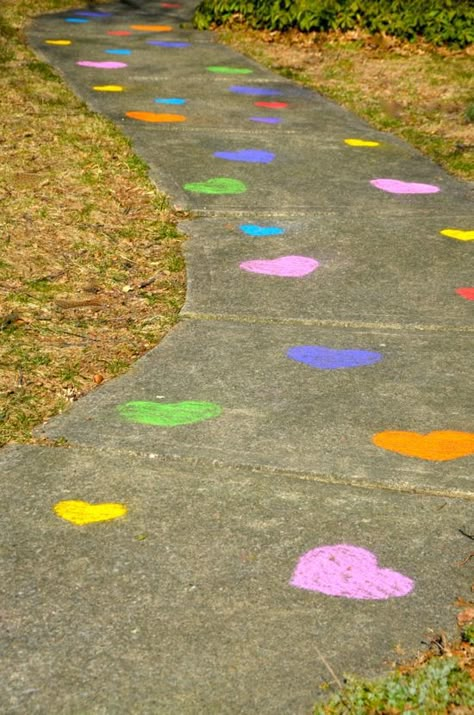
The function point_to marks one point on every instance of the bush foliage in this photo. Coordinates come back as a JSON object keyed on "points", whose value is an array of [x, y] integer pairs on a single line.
{"points": [[440, 22]]}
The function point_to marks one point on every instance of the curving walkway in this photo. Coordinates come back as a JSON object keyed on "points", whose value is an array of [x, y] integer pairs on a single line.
{"points": [[274, 495]]}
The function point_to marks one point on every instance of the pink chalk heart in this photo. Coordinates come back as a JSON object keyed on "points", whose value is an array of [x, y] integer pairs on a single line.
{"points": [[285, 266], [102, 65], [350, 572], [404, 187]]}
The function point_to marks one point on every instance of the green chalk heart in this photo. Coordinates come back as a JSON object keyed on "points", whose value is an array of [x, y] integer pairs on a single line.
{"points": [[229, 70], [218, 185], [168, 414]]}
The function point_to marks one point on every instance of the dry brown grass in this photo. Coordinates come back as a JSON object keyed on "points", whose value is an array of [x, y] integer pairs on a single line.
{"points": [[422, 93], [91, 272]]}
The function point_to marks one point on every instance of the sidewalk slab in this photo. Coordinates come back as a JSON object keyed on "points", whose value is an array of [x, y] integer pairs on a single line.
{"points": [[381, 268], [281, 414], [185, 604]]}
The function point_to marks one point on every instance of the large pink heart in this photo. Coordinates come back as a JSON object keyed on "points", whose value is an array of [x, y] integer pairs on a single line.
{"points": [[348, 571], [393, 186], [285, 266]]}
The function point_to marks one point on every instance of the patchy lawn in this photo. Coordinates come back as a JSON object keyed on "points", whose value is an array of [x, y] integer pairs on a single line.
{"points": [[91, 271]]}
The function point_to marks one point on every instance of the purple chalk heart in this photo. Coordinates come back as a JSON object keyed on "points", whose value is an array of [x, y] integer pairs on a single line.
{"points": [[266, 120], [348, 571], [404, 187], [253, 156], [285, 266], [102, 65], [323, 358], [254, 91]]}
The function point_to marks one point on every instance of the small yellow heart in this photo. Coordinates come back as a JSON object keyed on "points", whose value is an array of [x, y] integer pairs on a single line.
{"points": [[457, 233], [108, 88], [58, 42], [361, 142], [82, 512]]}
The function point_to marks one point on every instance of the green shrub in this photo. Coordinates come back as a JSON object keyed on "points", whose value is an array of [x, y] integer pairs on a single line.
{"points": [[449, 22], [437, 686]]}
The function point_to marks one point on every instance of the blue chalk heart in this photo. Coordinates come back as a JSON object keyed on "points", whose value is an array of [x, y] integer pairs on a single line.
{"points": [[171, 100], [252, 229], [324, 358], [119, 52], [252, 156]]}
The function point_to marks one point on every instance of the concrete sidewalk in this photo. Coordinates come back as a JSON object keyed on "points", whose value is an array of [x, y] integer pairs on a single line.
{"points": [[273, 496]]}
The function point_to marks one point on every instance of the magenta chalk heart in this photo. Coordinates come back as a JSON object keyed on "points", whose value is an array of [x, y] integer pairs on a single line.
{"points": [[284, 266], [393, 186], [350, 572]]}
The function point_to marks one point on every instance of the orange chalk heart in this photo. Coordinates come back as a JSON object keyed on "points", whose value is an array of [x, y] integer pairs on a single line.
{"points": [[155, 117], [438, 446], [82, 512]]}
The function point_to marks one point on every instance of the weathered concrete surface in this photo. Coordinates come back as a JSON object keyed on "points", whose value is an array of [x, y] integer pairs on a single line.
{"points": [[283, 414], [184, 605]]}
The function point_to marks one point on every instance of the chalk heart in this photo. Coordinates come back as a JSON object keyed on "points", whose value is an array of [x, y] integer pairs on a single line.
{"points": [[458, 234], [169, 414], [467, 293], [437, 446], [323, 358], [217, 185], [81, 513], [349, 572], [393, 186], [284, 266]]}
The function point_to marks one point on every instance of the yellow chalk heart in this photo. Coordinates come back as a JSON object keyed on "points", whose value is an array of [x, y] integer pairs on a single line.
{"points": [[361, 142], [58, 42], [460, 235], [82, 512], [108, 88]]}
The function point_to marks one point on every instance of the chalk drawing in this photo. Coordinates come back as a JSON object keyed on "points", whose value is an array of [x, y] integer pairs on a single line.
{"points": [[272, 105], [458, 234], [348, 571], [324, 358], [217, 185], [162, 43], [119, 33], [109, 88], [361, 142], [229, 70], [102, 65], [155, 117], [437, 446], [253, 229], [284, 266], [77, 20], [266, 120], [58, 42], [169, 4], [170, 100], [250, 156], [152, 28], [393, 186], [81, 513], [171, 414], [118, 51], [90, 13], [467, 293], [254, 91]]}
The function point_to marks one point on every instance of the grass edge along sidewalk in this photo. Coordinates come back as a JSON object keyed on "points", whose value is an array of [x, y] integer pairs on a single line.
{"points": [[91, 272]]}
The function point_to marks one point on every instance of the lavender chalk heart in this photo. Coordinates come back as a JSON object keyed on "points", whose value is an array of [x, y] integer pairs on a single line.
{"points": [[393, 186], [285, 266], [251, 156], [324, 358], [102, 65], [349, 572]]}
